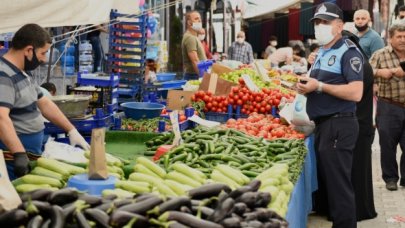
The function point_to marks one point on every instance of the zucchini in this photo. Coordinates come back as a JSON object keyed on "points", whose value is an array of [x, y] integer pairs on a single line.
{"points": [[35, 179], [53, 165], [234, 174], [152, 166], [183, 179], [22, 188], [190, 172], [133, 186], [47, 173], [142, 169]]}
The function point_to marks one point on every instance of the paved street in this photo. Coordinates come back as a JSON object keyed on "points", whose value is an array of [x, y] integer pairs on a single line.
{"points": [[388, 204]]}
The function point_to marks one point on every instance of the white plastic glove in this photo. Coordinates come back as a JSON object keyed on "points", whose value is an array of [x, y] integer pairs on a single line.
{"points": [[76, 139]]}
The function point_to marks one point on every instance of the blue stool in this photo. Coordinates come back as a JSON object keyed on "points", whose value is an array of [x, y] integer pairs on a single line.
{"points": [[92, 187]]}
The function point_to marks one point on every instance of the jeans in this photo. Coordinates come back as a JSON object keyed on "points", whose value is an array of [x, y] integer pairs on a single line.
{"points": [[33, 144]]}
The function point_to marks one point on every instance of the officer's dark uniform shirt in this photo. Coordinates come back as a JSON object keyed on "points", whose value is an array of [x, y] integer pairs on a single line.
{"points": [[340, 64]]}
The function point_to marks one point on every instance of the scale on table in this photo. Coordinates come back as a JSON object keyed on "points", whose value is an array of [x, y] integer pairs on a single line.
{"points": [[97, 180]]}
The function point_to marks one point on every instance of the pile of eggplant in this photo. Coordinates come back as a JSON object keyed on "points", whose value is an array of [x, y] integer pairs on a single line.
{"points": [[212, 205]]}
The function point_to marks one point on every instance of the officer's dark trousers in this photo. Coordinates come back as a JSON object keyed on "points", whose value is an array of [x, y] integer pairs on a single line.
{"points": [[391, 129], [335, 139]]}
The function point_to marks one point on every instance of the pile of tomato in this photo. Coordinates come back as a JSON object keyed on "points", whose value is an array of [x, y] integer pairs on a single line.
{"points": [[265, 126], [250, 102]]}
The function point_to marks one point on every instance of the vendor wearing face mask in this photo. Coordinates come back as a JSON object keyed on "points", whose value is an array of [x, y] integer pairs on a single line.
{"points": [[370, 40], [191, 47], [271, 48], [201, 37], [22, 102], [240, 50], [333, 88]]}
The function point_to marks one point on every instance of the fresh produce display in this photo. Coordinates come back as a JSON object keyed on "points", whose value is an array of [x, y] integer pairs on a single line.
{"points": [[235, 77], [250, 102], [263, 126], [204, 149], [210, 205], [275, 181], [144, 125]]}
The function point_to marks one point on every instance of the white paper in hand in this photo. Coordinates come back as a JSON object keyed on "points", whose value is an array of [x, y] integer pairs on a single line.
{"points": [[202, 122], [250, 84], [174, 118]]}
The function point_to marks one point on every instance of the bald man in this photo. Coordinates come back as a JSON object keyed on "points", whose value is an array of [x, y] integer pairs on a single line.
{"points": [[241, 50], [370, 40]]}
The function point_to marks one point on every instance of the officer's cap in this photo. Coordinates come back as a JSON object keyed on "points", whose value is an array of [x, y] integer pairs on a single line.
{"points": [[327, 11]]}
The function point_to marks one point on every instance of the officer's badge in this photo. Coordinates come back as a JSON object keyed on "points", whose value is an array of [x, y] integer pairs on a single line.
{"points": [[356, 64], [332, 60]]}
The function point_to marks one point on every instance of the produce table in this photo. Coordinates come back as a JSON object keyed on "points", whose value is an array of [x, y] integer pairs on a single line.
{"points": [[301, 198]]}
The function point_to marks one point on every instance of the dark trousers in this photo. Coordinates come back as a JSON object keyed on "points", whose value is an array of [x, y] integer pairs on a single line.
{"points": [[190, 76], [391, 129], [335, 139]]}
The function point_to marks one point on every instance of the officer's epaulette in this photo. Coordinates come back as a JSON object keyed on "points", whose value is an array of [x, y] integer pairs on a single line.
{"points": [[350, 44]]}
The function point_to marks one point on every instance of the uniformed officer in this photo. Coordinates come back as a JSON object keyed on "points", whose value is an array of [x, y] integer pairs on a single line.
{"points": [[333, 88]]}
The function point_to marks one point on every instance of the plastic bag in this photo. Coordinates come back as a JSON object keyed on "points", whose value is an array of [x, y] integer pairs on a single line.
{"points": [[63, 152]]}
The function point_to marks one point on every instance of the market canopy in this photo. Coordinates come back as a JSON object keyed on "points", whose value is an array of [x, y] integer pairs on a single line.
{"points": [[257, 8], [16, 13]]}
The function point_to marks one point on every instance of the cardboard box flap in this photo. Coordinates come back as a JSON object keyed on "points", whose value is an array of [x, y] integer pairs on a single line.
{"points": [[219, 69], [178, 99], [216, 85]]}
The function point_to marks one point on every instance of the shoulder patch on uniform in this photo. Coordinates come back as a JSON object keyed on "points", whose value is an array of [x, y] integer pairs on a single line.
{"points": [[350, 44], [356, 64]]}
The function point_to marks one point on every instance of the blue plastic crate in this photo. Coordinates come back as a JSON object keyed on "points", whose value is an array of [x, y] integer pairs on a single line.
{"points": [[218, 117], [173, 84], [162, 77], [94, 80], [83, 125]]}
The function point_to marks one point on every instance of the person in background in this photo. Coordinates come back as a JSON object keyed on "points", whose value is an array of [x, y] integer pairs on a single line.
{"points": [[271, 48], [390, 118], [333, 87], [202, 37], [362, 177], [150, 71], [22, 102], [370, 40], [48, 87], [285, 55], [401, 14], [240, 50], [94, 38], [191, 47]]}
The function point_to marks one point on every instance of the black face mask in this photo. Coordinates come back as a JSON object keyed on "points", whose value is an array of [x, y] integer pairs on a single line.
{"points": [[361, 28], [30, 65]]}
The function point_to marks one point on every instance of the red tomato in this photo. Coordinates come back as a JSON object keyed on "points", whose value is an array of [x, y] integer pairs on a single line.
{"points": [[208, 93], [239, 102], [182, 118], [235, 89], [263, 110]]}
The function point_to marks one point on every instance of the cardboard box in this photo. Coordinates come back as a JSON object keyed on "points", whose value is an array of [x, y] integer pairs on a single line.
{"points": [[216, 85], [219, 69], [178, 99]]}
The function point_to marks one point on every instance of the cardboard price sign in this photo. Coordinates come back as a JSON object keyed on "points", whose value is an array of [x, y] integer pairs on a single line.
{"points": [[250, 84]]}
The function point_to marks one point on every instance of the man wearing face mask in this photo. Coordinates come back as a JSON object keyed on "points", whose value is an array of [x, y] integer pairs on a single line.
{"points": [[370, 40], [192, 49], [271, 48], [240, 50], [22, 102], [201, 37], [333, 88]]}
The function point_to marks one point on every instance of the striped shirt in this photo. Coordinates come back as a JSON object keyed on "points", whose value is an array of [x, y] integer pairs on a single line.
{"points": [[393, 88], [241, 52], [20, 95]]}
